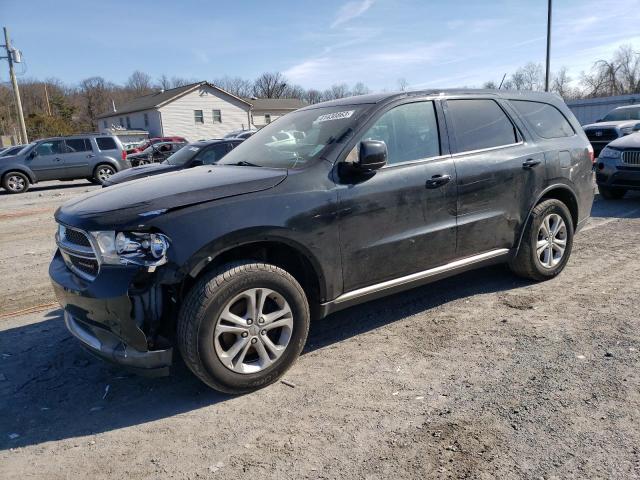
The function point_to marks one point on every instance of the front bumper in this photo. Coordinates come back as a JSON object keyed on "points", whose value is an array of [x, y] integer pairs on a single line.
{"points": [[99, 314], [613, 174]]}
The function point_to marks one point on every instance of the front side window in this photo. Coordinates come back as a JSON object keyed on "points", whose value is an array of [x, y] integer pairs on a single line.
{"points": [[297, 138], [410, 132], [546, 120], [480, 124], [217, 116], [212, 154], [78, 145], [106, 143], [128, 123], [267, 118], [198, 116], [146, 119], [121, 122], [104, 123], [622, 114], [51, 147]]}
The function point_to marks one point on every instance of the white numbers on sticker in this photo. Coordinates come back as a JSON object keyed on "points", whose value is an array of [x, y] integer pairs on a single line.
{"points": [[334, 116]]}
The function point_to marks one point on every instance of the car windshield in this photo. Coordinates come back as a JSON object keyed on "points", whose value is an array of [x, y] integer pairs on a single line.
{"points": [[183, 155], [622, 114], [295, 139]]}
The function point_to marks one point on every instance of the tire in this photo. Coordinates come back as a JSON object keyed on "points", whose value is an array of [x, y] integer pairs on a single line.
{"points": [[102, 173], [528, 262], [612, 193], [15, 182], [201, 319]]}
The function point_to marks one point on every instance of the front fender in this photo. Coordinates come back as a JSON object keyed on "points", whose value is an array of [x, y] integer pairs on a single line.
{"points": [[18, 167]]}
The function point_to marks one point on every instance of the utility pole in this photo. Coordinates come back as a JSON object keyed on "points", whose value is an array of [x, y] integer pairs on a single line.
{"points": [[46, 96], [14, 82], [548, 72]]}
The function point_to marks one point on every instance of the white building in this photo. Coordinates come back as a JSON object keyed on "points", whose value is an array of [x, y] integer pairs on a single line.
{"points": [[196, 111]]}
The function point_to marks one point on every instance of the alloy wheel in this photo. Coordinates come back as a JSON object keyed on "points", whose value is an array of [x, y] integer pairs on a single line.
{"points": [[253, 330], [104, 173], [16, 183], [552, 241]]}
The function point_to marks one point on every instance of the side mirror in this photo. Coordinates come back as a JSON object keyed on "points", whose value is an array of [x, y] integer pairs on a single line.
{"points": [[197, 163], [637, 128], [372, 156], [599, 120]]}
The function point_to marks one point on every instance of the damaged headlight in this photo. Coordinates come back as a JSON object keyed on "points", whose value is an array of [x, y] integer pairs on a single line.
{"points": [[138, 248]]}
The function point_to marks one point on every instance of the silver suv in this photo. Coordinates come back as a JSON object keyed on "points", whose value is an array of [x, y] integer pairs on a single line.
{"points": [[617, 123], [94, 157]]}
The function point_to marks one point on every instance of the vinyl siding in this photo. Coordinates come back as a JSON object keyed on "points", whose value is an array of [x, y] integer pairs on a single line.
{"points": [[258, 120], [137, 122], [178, 117]]}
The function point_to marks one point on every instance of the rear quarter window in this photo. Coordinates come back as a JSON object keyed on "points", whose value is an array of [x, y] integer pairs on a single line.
{"points": [[106, 143], [546, 120]]}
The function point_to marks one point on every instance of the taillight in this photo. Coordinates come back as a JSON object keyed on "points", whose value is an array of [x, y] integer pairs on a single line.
{"points": [[591, 154], [124, 154]]}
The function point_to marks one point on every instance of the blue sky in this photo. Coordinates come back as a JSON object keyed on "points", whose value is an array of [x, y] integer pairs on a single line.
{"points": [[430, 43]]}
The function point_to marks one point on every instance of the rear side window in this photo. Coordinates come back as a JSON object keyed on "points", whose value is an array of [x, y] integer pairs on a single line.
{"points": [[106, 143], [78, 145], [410, 132], [479, 124], [546, 120]]}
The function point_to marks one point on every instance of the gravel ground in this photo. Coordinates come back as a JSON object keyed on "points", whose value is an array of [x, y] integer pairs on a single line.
{"points": [[478, 376]]}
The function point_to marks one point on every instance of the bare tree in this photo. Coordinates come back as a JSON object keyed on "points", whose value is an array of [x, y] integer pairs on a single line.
{"points": [[628, 71], [270, 85], [139, 83], [95, 93], [561, 84], [313, 96], [403, 84], [339, 90], [360, 89], [164, 83], [235, 85], [490, 85], [181, 82]]}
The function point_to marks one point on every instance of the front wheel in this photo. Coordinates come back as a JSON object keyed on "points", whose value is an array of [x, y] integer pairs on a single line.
{"points": [[102, 173], [15, 182], [242, 326], [546, 243]]}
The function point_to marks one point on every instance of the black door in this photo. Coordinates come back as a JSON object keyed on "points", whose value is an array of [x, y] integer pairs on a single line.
{"points": [[401, 220], [498, 174]]}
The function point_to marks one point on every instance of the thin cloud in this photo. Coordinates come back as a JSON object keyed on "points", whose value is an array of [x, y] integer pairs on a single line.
{"points": [[351, 10]]}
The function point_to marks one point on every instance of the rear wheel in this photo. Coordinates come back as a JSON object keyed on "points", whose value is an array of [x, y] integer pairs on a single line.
{"points": [[547, 242], [242, 326], [15, 182], [102, 173], [612, 193]]}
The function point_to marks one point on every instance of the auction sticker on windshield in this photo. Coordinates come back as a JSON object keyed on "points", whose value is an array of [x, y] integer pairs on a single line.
{"points": [[334, 116]]}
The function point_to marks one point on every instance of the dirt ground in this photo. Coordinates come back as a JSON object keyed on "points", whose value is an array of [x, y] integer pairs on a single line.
{"points": [[478, 376]]}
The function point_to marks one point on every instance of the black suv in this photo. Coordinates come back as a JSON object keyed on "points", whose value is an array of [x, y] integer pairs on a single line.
{"points": [[328, 206]]}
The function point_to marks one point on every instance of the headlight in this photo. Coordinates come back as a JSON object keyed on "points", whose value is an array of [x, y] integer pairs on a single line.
{"points": [[610, 153], [626, 130], [145, 249]]}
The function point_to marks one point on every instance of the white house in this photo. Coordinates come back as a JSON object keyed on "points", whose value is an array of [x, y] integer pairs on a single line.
{"points": [[196, 111]]}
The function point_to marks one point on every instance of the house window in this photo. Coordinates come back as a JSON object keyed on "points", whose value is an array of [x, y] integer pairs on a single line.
{"points": [[146, 120], [267, 118], [198, 116], [121, 122], [217, 116], [104, 124], [128, 123]]}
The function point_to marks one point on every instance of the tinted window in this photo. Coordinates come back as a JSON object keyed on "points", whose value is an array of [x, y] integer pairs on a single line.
{"points": [[217, 116], [212, 154], [52, 147], [479, 124], [198, 117], [545, 119], [78, 145], [410, 132], [106, 143], [622, 114]]}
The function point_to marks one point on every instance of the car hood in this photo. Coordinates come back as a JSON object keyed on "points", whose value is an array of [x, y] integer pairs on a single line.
{"points": [[141, 172], [131, 203], [628, 141], [617, 123]]}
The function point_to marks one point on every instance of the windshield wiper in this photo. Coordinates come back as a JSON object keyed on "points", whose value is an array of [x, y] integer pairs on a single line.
{"points": [[244, 163]]}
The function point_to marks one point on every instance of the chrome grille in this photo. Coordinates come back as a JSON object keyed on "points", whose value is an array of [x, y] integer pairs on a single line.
{"points": [[78, 253], [631, 158]]}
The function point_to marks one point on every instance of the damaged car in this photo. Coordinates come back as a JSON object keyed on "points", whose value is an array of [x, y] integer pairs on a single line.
{"points": [[355, 199]]}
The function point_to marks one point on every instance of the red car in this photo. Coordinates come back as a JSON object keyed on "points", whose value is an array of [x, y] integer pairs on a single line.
{"points": [[153, 141]]}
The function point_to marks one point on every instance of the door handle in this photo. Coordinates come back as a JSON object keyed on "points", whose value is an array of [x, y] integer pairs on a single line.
{"points": [[530, 163], [57, 159], [90, 155], [438, 181]]}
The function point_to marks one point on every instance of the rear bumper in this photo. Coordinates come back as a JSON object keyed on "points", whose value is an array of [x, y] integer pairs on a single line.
{"points": [[100, 315]]}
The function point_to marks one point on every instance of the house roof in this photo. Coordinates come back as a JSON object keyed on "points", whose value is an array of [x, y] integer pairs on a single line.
{"points": [[160, 98], [276, 103]]}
